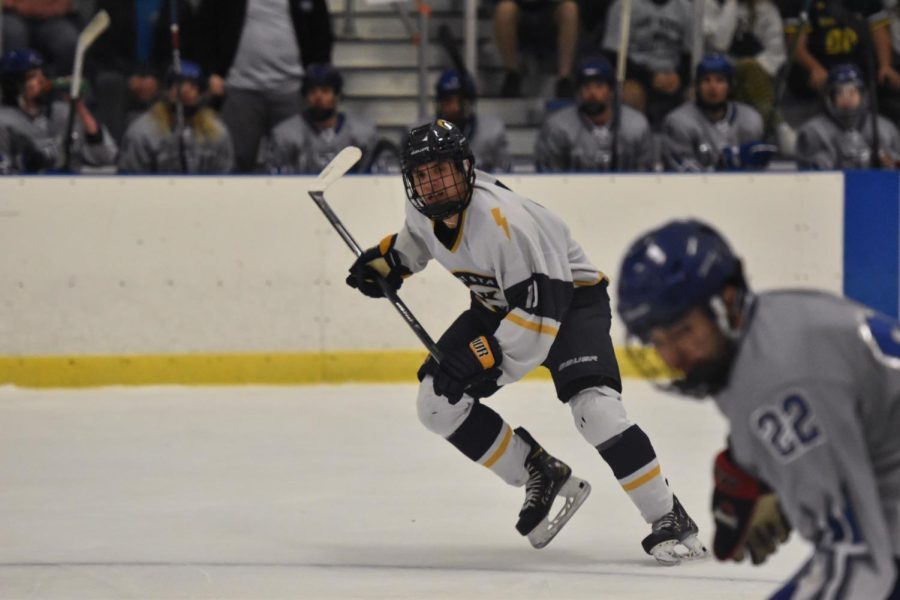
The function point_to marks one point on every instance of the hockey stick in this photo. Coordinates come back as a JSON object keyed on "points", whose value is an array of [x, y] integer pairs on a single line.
{"points": [[86, 38], [782, 80], [448, 43], [175, 30], [333, 171], [621, 63]]}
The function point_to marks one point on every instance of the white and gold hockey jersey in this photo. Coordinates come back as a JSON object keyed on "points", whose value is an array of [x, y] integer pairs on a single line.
{"points": [[516, 257]]}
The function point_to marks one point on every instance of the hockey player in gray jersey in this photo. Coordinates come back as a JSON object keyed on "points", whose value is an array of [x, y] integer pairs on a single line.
{"points": [[580, 137], [810, 385], [306, 142], [33, 126], [713, 132], [842, 136], [536, 300], [455, 96], [153, 143]]}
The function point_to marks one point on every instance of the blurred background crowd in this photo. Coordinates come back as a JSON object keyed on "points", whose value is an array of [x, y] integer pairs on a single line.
{"points": [[279, 86]]}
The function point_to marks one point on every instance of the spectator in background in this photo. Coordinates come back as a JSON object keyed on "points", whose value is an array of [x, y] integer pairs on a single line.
{"points": [[127, 62], [513, 16], [659, 46], [256, 52], [840, 32], [751, 33], [842, 136], [50, 26], [455, 97], [306, 142], [33, 126], [154, 144], [713, 132], [580, 138]]}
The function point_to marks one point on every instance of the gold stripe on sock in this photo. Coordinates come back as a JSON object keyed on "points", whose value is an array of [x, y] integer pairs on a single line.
{"points": [[633, 485], [499, 452]]}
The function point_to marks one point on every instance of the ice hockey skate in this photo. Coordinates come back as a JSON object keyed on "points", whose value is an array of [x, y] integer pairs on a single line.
{"points": [[548, 477], [674, 538]]}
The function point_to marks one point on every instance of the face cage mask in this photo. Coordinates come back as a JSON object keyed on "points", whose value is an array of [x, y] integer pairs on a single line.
{"points": [[447, 208], [707, 378]]}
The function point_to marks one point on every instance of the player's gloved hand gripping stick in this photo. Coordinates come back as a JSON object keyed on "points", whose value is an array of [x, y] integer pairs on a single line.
{"points": [[333, 171], [747, 514]]}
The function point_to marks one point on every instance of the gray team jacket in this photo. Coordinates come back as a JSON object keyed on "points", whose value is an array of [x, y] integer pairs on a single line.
{"points": [[570, 142], [813, 404], [150, 146], [821, 144], [296, 147], [691, 142], [21, 135]]}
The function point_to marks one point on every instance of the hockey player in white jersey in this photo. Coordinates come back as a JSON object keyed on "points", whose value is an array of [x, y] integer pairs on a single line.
{"points": [[536, 300], [306, 142], [581, 137], [714, 132], [810, 385], [842, 136]]}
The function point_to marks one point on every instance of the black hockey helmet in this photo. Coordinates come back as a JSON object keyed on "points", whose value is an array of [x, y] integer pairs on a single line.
{"points": [[436, 142], [322, 75]]}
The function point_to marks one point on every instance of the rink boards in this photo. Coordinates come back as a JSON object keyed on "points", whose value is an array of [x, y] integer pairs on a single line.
{"points": [[139, 280]]}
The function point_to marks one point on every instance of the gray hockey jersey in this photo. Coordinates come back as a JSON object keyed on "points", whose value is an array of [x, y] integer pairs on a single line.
{"points": [[813, 403], [570, 142], [821, 144], [517, 259], [150, 146], [24, 139], [691, 142], [660, 33], [295, 146]]}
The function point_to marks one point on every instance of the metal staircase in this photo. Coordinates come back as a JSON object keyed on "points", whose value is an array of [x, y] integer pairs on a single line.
{"points": [[379, 63]]}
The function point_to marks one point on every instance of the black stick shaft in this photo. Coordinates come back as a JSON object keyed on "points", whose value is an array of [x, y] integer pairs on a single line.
{"points": [[389, 292]]}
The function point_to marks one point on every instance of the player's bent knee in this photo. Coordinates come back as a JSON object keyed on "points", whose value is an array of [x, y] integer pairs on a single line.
{"points": [[599, 414], [436, 413]]}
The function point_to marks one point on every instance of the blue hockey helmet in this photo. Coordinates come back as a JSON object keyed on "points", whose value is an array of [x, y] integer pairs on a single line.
{"points": [[839, 76], [190, 71], [322, 75], [716, 63], [453, 83], [595, 68], [14, 66], [16, 63], [670, 270]]}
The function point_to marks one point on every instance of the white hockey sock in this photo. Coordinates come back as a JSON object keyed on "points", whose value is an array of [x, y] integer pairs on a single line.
{"points": [[506, 457]]}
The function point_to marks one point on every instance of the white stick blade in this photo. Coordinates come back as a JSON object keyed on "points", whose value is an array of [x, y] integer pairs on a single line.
{"points": [[93, 30], [87, 37], [336, 169]]}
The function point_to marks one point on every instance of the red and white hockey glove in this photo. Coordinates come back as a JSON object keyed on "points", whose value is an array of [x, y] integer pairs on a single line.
{"points": [[471, 365], [747, 514]]}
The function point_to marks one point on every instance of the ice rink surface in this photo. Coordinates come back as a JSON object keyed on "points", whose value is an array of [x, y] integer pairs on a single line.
{"points": [[328, 492]]}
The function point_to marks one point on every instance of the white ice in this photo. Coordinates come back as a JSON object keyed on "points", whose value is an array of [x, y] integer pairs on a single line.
{"points": [[328, 492]]}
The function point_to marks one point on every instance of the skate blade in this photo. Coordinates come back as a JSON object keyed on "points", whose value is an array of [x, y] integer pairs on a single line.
{"points": [[575, 491], [673, 552]]}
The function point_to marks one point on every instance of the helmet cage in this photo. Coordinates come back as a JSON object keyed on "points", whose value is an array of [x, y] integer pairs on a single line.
{"points": [[438, 142]]}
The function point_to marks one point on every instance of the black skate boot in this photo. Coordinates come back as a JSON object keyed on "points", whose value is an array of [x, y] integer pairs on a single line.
{"points": [[674, 537], [547, 477]]}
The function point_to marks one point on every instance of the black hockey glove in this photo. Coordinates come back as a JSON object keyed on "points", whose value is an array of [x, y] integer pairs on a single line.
{"points": [[747, 514], [474, 365], [381, 260]]}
